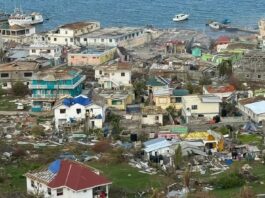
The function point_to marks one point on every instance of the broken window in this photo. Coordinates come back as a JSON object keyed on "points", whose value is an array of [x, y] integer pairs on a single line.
{"points": [[62, 111], [4, 75], [194, 107], [59, 191], [78, 111], [49, 191], [27, 74]]}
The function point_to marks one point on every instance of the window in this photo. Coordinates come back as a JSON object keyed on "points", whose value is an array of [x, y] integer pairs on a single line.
{"points": [[71, 40], [247, 76], [78, 111], [62, 111], [32, 184], [33, 51], [102, 40], [144, 116], [85, 39], [122, 74], [49, 38], [157, 118], [178, 100], [100, 72], [48, 51], [4, 84], [27, 74], [49, 191], [65, 40], [66, 32], [259, 76], [4, 75], [110, 40], [59, 191], [194, 107], [55, 39]]}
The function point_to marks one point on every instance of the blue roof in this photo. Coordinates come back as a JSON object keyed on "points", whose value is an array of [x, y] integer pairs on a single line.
{"points": [[77, 100], [54, 167]]}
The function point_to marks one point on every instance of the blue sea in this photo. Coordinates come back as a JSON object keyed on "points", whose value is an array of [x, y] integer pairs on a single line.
{"points": [[159, 13]]}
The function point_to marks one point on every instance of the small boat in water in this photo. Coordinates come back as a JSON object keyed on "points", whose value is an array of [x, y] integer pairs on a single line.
{"points": [[181, 17], [20, 18], [226, 21], [215, 25]]}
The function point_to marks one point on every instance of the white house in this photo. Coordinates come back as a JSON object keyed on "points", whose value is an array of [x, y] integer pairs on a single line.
{"points": [[49, 51], [113, 36], [206, 106], [255, 110], [67, 34], [152, 115], [76, 109], [113, 76], [67, 179]]}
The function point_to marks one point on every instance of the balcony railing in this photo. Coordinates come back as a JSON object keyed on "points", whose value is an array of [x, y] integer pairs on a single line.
{"points": [[56, 86]]}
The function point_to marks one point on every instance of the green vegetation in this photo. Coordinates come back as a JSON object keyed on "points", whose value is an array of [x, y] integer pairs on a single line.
{"points": [[249, 139], [178, 157], [19, 89], [129, 179], [6, 105]]}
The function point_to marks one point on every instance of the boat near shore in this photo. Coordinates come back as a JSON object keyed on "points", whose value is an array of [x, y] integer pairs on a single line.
{"points": [[181, 17], [20, 18]]}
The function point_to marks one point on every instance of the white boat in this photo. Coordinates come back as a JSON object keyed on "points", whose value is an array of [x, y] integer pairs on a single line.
{"points": [[20, 18], [215, 25], [181, 17]]}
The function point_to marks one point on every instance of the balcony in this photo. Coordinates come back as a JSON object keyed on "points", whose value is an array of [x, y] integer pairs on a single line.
{"points": [[56, 86]]}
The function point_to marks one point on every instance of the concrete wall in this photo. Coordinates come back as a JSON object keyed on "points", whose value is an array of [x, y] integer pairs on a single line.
{"points": [[71, 112], [152, 119]]}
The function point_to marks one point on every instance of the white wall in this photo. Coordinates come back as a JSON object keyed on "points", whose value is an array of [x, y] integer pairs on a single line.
{"points": [[151, 119], [71, 112], [114, 76]]}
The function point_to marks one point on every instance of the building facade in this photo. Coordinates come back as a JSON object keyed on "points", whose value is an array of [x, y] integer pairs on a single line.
{"points": [[53, 84], [67, 34], [67, 179], [18, 71], [113, 76], [91, 56], [80, 108]]}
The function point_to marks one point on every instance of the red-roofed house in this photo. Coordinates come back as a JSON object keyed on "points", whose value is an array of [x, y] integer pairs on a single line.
{"points": [[222, 43], [222, 92], [67, 179]]}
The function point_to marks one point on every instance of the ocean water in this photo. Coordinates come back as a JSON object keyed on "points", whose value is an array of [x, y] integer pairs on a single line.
{"points": [[159, 13]]}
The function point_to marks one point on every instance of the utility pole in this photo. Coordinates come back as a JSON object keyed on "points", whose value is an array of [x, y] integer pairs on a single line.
{"points": [[263, 130]]}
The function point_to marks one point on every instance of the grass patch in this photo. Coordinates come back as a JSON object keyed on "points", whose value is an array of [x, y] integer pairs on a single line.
{"points": [[248, 139], [5, 105], [14, 181], [128, 178]]}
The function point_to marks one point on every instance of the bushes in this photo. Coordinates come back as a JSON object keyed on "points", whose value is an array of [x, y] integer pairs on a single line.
{"points": [[19, 89], [229, 180], [101, 147]]}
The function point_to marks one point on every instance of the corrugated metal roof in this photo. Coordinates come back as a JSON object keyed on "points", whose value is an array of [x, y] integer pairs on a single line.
{"points": [[257, 107]]}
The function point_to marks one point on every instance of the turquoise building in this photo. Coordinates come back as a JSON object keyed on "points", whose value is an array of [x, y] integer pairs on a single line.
{"points": [[49, 86]]}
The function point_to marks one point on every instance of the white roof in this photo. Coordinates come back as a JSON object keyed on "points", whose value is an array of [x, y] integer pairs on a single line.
{"points": [[210, 99], [156, 144], [257, 107]]}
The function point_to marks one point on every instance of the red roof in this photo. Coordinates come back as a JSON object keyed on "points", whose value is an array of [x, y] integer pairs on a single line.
{"points": [[223, 40], [221, 89], [77, 177]]}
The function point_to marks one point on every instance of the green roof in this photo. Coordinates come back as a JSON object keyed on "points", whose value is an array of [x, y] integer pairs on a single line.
{"points": [[180, 92], [176, 129], [154, 82]]}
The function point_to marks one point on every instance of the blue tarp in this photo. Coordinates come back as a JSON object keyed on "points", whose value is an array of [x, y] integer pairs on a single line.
{"points": [[54, 167], [77, 100], [228, 162]]}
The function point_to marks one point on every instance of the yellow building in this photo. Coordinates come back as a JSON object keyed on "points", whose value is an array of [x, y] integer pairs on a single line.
{"points": [[211, 139], [117, 99], [166, 97]]}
